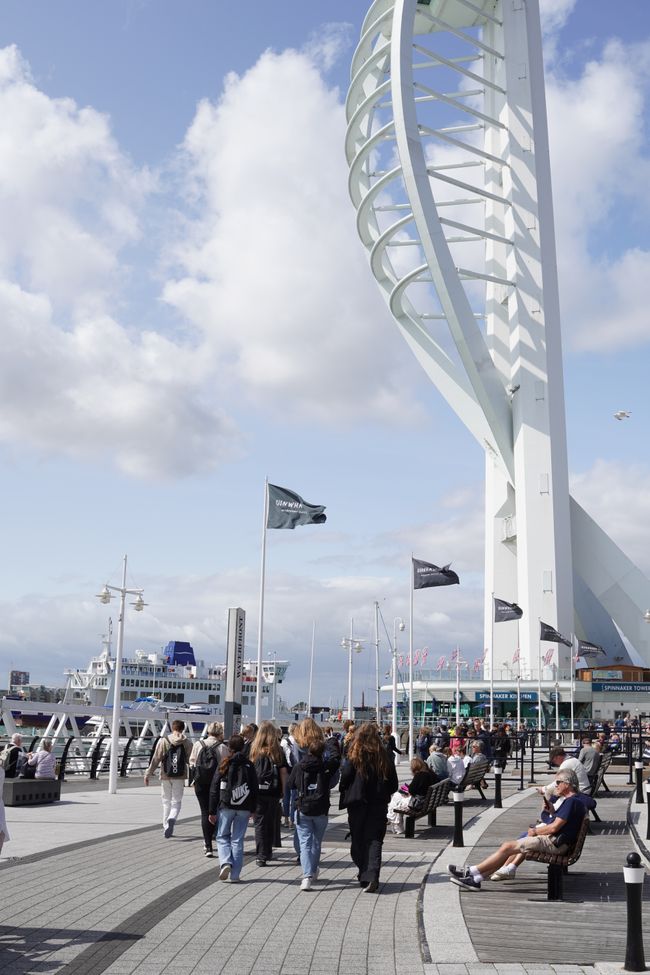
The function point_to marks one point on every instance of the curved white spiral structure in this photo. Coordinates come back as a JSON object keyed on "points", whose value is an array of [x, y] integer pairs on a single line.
{"points": [[449, 172]]}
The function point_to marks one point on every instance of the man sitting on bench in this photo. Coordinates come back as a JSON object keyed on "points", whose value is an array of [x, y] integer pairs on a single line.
{"points": [[556, 836]]}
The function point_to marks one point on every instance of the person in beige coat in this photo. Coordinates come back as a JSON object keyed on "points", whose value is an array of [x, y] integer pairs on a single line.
{"points": [[172, 755]]}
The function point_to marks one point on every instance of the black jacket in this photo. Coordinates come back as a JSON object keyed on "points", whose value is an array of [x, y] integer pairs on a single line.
{"points": [[11, 756], [355, 789]]}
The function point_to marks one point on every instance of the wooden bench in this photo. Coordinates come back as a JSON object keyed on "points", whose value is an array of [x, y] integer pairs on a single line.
{"points": [[474, 775], [437, 795], [30, 792], [558, 863], [599, 780]]}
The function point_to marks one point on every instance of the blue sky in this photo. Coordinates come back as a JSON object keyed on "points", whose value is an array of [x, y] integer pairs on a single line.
{"points": [[186, 309]]}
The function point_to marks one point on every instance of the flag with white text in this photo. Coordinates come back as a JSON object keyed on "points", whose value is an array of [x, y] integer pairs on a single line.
{"points": [[427, 575], [504, 611], [550, 634], [287, 509]]}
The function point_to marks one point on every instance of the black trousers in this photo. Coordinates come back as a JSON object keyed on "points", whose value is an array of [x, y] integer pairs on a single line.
{"points": [[265, 820], [367, 830], [203, 795]]}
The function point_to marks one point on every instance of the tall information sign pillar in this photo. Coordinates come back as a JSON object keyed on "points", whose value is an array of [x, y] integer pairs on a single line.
{"points": [[234, 669]]}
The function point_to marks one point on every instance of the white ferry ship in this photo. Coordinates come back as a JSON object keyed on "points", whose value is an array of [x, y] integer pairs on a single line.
{"points": [[174, 679]]}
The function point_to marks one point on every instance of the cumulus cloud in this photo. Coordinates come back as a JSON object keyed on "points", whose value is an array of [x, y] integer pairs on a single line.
{"points": [[73, 380], [272, 273], [601, 168]]}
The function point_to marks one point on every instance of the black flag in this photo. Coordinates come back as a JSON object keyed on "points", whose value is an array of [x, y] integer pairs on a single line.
{"points": [[550, 634], [585, 649], [426, 575], [504, 611], [287, 509]]}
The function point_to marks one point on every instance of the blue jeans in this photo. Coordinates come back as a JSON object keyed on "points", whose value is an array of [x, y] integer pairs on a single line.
{"points": [[231, 829], [310, 831]]}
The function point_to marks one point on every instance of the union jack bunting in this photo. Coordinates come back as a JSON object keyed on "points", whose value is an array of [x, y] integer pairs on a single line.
{"points": [[423, 656], [548, 656], [442, 662], [455, 655], [478, 664], [515, 656]]}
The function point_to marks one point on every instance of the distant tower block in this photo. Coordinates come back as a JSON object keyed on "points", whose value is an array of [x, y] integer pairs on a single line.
{"points": [[449, 171]]}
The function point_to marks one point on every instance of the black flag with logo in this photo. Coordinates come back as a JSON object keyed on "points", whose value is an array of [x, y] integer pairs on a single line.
{"points": [[287, 509], [550, 634], [585, 648], [426, 575], [504, 611]]}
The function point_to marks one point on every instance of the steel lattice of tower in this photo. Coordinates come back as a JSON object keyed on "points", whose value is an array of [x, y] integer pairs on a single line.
{"points": [[447, 145]]}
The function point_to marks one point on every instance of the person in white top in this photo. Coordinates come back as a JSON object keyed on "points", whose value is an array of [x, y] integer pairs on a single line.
{"points": [[44, 760], [4, 830], [558, 758]]}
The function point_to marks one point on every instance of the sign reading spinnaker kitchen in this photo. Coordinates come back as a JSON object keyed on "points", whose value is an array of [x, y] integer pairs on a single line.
{"points": [[234, 670]]}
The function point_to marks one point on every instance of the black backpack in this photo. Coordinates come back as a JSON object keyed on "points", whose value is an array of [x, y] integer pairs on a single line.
{"points": [[235, 790], [175, 761], [268, 778], [206, 765], [313, 790]]}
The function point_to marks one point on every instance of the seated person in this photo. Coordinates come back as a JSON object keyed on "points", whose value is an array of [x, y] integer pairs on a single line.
{"points": [[12, 755], [402, 800], [44, 760], [555, 835], [457, 763], [558, 757], [437, 762]]}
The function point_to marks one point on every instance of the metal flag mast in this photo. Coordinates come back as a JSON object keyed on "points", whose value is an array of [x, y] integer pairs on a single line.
{"points": [[411, 588], [260, 623]]}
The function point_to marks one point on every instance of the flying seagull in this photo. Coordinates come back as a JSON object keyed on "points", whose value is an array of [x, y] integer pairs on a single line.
{"points": [[622, 414]]}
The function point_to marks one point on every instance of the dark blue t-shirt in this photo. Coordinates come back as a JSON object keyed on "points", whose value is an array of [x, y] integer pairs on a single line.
{"points": [[572, 811]]}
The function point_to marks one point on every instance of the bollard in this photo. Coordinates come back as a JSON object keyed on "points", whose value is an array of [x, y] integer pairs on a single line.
{"points": [[638, 771], [521, 775], [634, 874], [459, 798], [498, 771], [630, 761], [647, 827], [532, 760]]}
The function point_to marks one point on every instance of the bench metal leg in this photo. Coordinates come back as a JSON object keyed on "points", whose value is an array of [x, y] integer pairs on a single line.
{"points": [[409, 827], [480, 792], [595, 815], [605, 786], [432, 818], [554, 887]]}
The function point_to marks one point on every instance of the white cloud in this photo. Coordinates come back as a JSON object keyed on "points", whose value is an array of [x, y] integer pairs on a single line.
{"points": [[273, 275], [601, 170], [72, 379]]}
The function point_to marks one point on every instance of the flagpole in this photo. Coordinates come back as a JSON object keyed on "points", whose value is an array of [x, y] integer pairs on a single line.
{"points": [[492, 668], [260, 623], [457, 685], [574, 655], [539, 684], [411, 750], [377, 662], [518, 680], [311, 665]]}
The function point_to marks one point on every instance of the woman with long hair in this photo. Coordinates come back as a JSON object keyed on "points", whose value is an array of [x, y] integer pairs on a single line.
{"points": [[233, 795], [368, 780], [206, 755], [268, 757], [312, 779], [390, 744]]}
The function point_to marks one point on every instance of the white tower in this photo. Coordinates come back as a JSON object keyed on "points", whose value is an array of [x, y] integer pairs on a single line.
{"points": [[449, 171]]}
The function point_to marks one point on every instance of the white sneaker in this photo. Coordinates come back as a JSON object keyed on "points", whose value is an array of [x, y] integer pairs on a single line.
{"points": [[306, 883], [503, 874], [224, 873]]}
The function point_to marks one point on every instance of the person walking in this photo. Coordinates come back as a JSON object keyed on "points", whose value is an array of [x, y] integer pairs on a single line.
{"points": [[4, 829], [368, 780], [172, 756], [233, 796], [312, 779], [270, 763], [205, 757], [290, 749], [390, 744]]}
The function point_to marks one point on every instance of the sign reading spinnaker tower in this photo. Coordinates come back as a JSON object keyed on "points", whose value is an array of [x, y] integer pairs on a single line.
{"points": [[234, 671]]}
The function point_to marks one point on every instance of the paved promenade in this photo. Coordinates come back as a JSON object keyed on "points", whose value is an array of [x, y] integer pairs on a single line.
{"points": [[90, 886]]}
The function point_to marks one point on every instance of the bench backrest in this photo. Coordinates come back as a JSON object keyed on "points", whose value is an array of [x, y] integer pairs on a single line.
{"points": [[436, 795], [575, 852], [605, 762], [475, 773]]}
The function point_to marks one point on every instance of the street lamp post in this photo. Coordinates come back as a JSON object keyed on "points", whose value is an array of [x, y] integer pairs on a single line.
{"points": [[398, 624], [275, 679], [105, 597], [351, 643]]}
